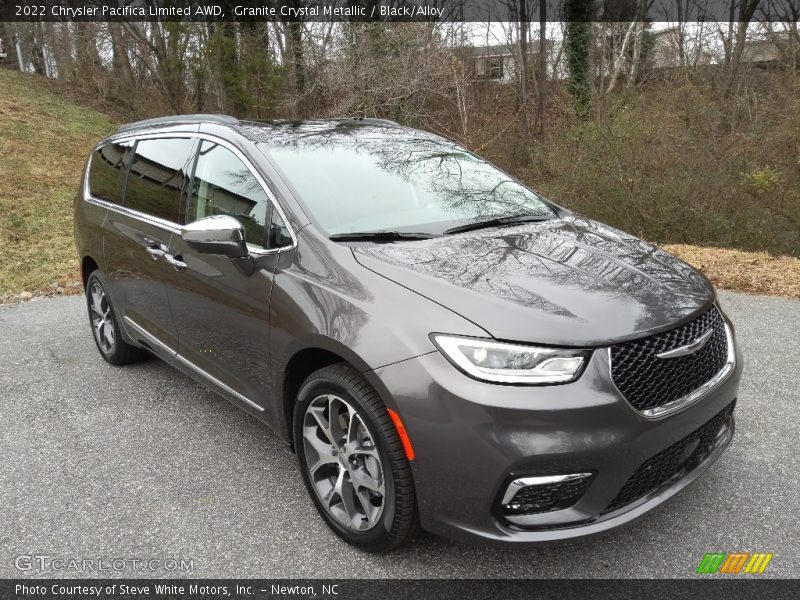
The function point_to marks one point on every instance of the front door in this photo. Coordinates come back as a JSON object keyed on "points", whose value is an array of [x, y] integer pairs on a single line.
{"points": [[221, 310], [138, 234]]}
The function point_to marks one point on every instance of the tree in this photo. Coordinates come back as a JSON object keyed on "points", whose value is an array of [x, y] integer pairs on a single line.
{"points": [[543, 71], [578, 39], [747, 9], [523, 70], [120, 62]]}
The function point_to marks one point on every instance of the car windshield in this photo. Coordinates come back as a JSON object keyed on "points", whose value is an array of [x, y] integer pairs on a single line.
{"points": [[393, 181]]}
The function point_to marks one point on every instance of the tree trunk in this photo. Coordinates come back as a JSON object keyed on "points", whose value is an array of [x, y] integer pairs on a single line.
{"points": [[294, 31], [637, 54], [728, 41], [621, 58], [641, 26], [747, 9], [123, 74], [522, 75], [229, 71], [577, 40], [598, 55], [5, 42], [543, 54], [87, 64], [61, 47]]}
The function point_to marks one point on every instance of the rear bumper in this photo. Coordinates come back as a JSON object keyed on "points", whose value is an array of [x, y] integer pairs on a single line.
{"points": [[472, 439]]}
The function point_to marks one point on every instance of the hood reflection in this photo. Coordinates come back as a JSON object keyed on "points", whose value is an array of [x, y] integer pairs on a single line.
{"points": [[599, 283]]}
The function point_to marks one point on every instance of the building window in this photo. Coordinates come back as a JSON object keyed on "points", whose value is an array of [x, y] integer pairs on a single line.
{"points": [[496, 68]]}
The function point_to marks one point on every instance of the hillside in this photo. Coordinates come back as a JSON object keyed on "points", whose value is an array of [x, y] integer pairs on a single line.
{"points": [[44, 140], [45, 137]]}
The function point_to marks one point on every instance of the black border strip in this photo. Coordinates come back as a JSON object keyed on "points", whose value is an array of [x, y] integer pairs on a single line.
{"points": [[619, 11], [710, 587]]}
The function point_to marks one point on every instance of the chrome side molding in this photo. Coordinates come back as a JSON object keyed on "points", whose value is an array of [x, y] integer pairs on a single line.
{"points": [[206, 375]]}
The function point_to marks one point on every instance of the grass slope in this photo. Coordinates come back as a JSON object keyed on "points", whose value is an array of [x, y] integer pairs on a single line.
{"points": [[44, 140]]}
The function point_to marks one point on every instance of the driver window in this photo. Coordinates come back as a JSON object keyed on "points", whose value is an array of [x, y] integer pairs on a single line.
{"points": [[223, 185]]}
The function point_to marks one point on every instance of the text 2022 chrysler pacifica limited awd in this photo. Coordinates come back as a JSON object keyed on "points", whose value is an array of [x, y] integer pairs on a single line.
{"points": [[442, 347]]}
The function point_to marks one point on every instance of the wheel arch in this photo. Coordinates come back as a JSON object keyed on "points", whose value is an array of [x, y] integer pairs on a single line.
{"points": [[88, 265], [305, 360]]}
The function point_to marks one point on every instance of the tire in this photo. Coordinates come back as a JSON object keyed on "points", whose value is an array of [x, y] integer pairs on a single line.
{"points": [[374, 508], [105, 326]]}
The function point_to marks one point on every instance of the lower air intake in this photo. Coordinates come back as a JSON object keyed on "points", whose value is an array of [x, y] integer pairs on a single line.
{"points": [[534, 495]]}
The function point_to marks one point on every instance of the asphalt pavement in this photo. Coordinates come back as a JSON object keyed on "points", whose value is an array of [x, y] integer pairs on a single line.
{"points": [[108, 464]]}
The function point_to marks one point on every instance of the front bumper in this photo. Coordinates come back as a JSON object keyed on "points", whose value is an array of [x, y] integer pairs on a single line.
{"points": [[472, 439]]}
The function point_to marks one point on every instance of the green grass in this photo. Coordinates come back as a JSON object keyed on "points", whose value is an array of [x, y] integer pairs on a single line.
{"points": [[44, 140]]}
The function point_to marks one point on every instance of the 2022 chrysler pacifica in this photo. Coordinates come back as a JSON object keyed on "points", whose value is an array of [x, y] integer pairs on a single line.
{"points": [[441, 347]]}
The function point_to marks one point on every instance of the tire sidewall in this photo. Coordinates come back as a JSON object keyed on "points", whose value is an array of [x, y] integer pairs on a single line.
{"points": [[308, 392]]}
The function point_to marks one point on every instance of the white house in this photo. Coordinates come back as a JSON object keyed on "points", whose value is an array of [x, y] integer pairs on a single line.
{"points": [[499, 62]]}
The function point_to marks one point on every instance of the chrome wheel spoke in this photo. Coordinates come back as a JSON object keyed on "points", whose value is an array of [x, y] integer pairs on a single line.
{"points": [[334, 493], [371, 511], [100, 316], [323, 450], [108, 330], [348, 495], [99, 330], [97, 298], [353, 423], [363, 480], [323, 423], [339, 419]]}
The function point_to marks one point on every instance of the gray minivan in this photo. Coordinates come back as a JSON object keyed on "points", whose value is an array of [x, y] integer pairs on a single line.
{"points": [[441, 346]]}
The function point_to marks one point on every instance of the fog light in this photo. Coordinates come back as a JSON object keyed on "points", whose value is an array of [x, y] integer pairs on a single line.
{"points": [[541, 494]]}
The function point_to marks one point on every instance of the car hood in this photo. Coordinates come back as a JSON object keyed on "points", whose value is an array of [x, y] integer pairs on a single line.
{"points": [[568, 281]]}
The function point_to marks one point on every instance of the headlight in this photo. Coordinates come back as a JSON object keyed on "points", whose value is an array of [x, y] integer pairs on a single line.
{"points": [[511, 363]]}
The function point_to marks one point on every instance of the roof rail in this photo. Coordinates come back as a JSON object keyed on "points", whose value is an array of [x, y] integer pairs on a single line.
{"points": [[176, 119], [371, 120]]}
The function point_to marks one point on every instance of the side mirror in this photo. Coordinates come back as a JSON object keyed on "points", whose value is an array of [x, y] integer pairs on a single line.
{"points": [[219, 234]]}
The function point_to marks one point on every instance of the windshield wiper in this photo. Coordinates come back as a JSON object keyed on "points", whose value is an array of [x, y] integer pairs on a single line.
{"points": [[497, 222], [380, 236]]}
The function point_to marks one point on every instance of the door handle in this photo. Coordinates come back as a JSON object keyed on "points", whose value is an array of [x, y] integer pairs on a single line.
{"points": [[155, 252], [175, 261]]}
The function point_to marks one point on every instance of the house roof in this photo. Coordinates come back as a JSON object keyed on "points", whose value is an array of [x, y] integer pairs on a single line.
{"points": [[504, 49], [493, 50]]}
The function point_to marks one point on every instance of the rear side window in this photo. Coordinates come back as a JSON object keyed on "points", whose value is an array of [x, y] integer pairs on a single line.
{"points": [[158, 177], [107, 171], [223, 185]]}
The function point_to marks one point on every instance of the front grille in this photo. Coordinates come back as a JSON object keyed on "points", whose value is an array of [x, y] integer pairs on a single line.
{"points": [[665, 465], [547, 497], [649, 382]]}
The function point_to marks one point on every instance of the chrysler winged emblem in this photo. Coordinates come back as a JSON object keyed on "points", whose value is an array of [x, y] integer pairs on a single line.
{"points": [[689, 348]]}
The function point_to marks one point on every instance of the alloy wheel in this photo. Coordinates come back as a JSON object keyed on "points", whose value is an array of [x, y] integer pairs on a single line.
{"points": [[343, 462], [102, 323]]}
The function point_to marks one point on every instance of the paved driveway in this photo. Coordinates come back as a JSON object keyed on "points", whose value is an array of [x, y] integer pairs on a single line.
{"points": [[106, 463]]}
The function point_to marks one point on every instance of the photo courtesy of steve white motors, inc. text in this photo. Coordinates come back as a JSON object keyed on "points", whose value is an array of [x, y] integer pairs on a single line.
{"points": [[213, 10], [145, 590]]}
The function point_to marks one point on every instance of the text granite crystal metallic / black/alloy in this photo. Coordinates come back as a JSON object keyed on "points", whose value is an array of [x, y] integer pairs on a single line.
{"points": [[441, 347]]}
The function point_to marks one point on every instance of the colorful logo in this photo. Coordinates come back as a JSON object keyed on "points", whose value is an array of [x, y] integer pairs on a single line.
{"points": [[734, 562]]}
